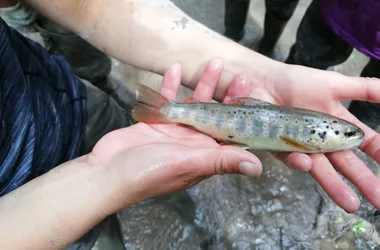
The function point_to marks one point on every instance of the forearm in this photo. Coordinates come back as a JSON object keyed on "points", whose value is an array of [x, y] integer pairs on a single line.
{"points": [[154, 34], [55, 209]]}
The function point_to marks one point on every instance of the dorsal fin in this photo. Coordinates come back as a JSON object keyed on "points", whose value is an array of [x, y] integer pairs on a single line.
{"points": [[190, 100], [247, 101]]}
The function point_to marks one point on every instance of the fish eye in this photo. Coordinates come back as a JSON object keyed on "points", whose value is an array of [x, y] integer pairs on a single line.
{"points": [[349, 133]]}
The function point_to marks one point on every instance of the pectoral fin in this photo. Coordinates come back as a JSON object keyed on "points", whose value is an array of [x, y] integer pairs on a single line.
{"points": [[296, 144], [247, 101], [226, 143]]}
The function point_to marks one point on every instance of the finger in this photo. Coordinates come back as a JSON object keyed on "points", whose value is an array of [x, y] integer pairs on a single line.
{"points": [[171, 82], [240, 86], [297, 160], [324, 173], [228, 160], [356, 88], [350, 166], [371, 142], [210, 78]]}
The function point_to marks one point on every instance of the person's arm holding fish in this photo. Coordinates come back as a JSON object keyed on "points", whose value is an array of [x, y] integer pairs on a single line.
{"points": [[154, 34], [53, 210]]}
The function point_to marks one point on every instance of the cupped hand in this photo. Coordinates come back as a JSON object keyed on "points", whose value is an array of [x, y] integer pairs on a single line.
{"points": [[319, 90], [152, 160]]}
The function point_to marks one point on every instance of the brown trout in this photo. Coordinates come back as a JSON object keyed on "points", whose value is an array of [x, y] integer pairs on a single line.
{"points": [[252, 124]]}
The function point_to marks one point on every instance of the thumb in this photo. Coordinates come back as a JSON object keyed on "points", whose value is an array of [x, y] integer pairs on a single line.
{"points": [[228, 160]]}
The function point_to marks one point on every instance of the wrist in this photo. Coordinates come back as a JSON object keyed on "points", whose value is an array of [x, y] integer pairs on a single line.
{"points": [[260, 69], [64, 203]]}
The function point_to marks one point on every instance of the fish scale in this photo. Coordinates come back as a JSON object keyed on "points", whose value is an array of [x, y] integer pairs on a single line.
{"points": [[253, 124]]}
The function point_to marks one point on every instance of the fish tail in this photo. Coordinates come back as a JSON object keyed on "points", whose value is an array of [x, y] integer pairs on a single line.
{"points": [[148, 108]]}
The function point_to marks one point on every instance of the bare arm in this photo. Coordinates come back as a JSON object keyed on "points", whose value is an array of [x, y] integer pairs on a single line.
{"points": [[55, 209], [154, 34]]}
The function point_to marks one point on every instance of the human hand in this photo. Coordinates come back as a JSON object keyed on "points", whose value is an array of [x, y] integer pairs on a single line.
{"points": [[151, 160], [319, 90]]}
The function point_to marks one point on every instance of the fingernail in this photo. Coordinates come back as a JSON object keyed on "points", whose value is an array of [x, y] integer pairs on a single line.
{"points": [[351, 202], [216, 63], [248, 169], [306, 163], [243, 79], [175, 68]]}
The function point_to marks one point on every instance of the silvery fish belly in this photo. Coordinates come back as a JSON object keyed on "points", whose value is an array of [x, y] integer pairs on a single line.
{"points": [[263, 126]]}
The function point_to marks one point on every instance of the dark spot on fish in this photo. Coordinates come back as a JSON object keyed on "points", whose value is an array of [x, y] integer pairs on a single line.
{"points": [[296, 121], [286, 119], [335, 122], [312, 131], [322, 135], [323, 141], [230, 136], [245, 112], [280, 116], [327, 126], [324, 121], [234, 112], [306, 120], [337, 132], [229, 112]]}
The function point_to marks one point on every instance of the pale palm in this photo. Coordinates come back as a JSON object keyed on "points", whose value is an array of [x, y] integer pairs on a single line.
{"points": [[158, 159], [322, 91]]}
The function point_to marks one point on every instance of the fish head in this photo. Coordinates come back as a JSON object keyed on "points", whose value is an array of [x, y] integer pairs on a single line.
{"points": [[336, 134]]}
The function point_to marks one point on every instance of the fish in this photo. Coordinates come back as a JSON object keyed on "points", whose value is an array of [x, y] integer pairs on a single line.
{"points": [[251, 123]]}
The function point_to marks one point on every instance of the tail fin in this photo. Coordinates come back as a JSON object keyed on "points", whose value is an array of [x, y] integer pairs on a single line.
{"points": [[148, 108], [148, 96]]}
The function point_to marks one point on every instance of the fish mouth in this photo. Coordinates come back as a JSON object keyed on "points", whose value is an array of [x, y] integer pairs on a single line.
{"points": [[358, 139]]}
